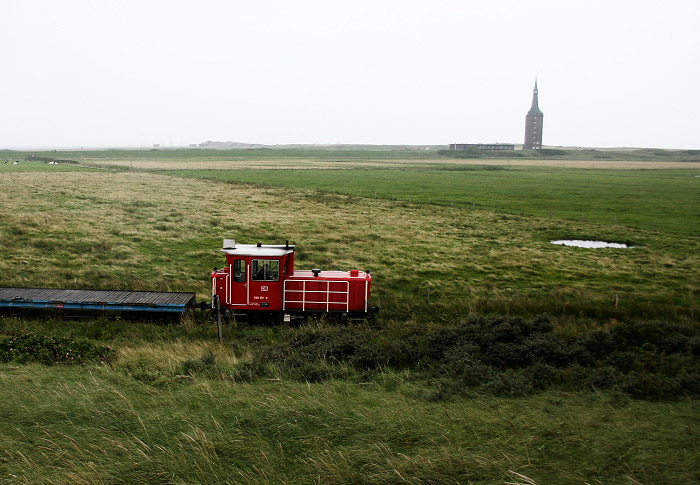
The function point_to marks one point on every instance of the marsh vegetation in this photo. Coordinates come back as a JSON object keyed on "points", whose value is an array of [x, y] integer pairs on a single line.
{"points": [[463, 378]]}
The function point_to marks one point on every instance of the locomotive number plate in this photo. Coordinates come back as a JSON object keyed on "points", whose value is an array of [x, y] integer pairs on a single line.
{"points": [[263, 288]]}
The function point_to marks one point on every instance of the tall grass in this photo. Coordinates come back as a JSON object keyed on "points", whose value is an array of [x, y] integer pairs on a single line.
{"points": [[100, 425]]}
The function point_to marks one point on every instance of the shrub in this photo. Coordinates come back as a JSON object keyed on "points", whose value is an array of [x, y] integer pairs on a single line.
{"points": [[46, 350], [502, 354], [547, 348], [247, 372], [460, 359], [694, 345], [543, 376], [476, 375], [595, 345], [511, 384], [604, 378], [636, 334], [205, 365]]}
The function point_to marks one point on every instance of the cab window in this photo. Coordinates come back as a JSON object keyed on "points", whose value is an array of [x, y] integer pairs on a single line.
{"points": [[239, 271], [265, 270]]}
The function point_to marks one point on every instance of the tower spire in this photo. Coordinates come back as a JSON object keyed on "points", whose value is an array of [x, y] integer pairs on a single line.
{"points": [[533, 123], [535, 109]]}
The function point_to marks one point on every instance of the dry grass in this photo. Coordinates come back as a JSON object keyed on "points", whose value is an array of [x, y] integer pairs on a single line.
{"points": [[307, 163], [145, 231], [167, 357]]}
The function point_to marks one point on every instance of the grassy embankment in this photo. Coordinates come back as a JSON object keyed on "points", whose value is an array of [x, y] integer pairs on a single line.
{"points": [[138, 421]]}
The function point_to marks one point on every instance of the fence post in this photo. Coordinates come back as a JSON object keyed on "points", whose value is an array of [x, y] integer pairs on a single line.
{"points": [[219, 332]]}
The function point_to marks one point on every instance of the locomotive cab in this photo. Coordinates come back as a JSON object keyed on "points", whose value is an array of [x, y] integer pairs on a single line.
{"points": [[260, 280]]}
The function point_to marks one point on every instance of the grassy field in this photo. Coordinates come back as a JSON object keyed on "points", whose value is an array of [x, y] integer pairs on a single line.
{"points": [[354, 156], [106, 427], [145, 231], [594, 393], [329, 152], [666, 200], [32, 166]]}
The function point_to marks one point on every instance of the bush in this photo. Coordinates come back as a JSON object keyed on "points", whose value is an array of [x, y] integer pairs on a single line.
{"points": [[543, 376], [500, 354], [32, 347], [594, 346], [247, 372], [205, 365], [511, 384], [547, 348], [604, 378]]}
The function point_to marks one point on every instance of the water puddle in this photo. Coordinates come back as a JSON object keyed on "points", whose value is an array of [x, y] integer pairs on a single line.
{"points": [[579, 243]]}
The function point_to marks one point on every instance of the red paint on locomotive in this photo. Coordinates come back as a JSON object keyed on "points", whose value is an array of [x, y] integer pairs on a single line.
{"points": [[261, 279]]}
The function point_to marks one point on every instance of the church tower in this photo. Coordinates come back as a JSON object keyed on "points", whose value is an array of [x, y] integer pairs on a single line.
{"points": [[533, 125]]}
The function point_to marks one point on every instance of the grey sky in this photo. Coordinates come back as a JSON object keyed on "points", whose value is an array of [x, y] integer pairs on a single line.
{"points": [[134, 73]]}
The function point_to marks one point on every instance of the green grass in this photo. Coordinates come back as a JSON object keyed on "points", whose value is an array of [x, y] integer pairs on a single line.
{"points": [[151, 232], [390, 405], [24, 166], [100, 424], [187, 154], [664, 200], [332, 152], [642, 154]]}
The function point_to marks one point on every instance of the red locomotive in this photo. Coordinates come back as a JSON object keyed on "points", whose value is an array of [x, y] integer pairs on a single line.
{"points": [[260, 282]]}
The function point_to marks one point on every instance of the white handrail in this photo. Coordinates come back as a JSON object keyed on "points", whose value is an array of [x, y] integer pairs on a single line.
{"points": [[304, 301]]}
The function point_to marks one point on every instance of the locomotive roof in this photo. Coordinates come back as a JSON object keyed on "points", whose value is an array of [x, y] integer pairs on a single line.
{"points": [[256, 250]]}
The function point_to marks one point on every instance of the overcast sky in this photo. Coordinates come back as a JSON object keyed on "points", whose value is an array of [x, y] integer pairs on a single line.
{"points": [[134, 73]]}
